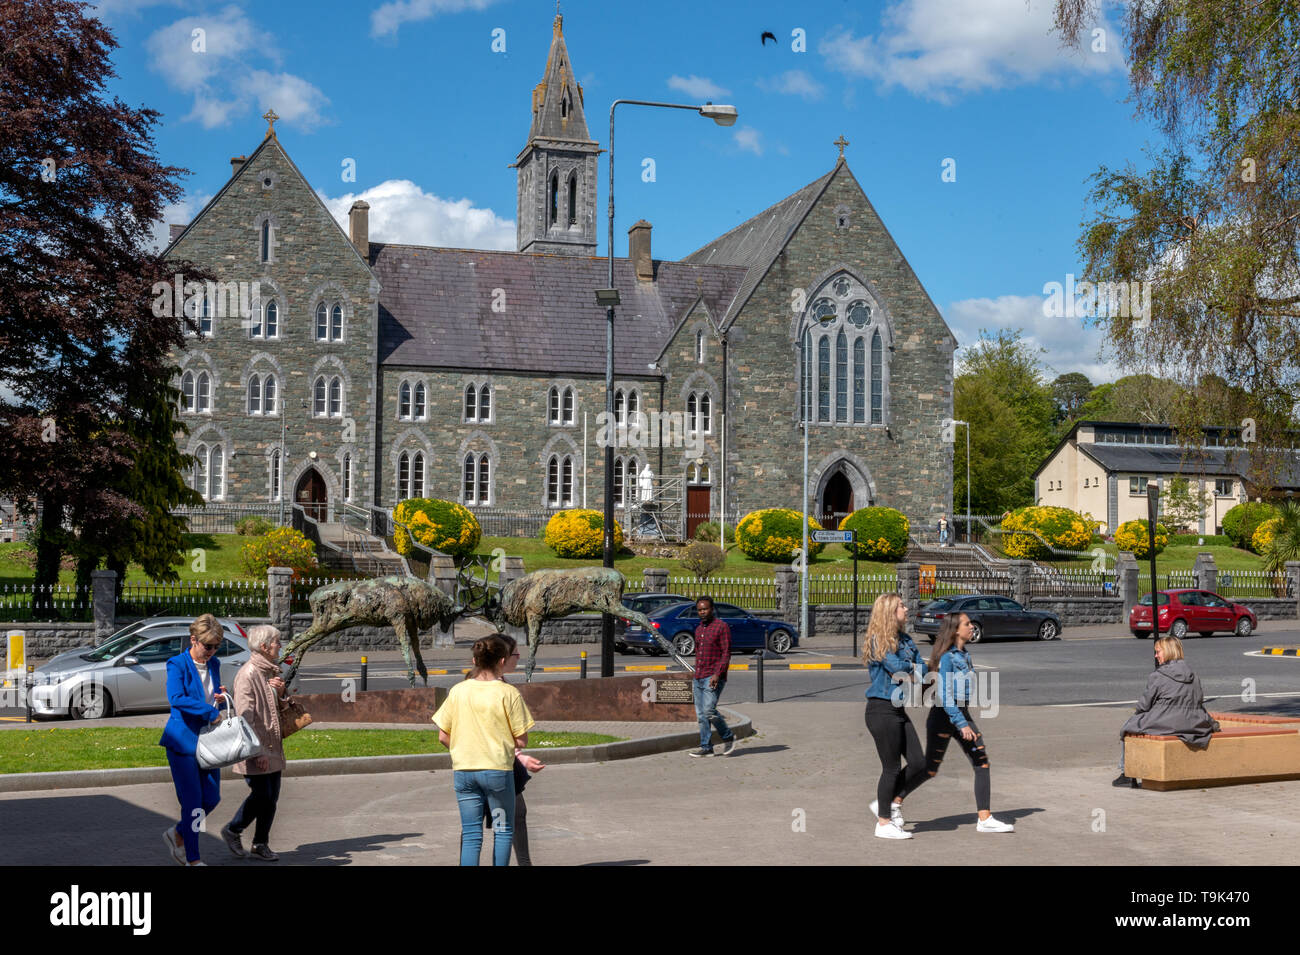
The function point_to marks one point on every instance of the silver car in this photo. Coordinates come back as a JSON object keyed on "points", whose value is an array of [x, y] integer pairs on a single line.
{"points": [[126, 672]]}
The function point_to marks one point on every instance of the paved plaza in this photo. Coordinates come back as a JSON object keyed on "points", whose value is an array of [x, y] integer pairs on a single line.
{"points": [[795, 793]]}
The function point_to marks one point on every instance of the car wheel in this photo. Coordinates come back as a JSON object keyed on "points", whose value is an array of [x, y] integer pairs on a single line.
{"points": [[976, 632], [1178, 629], [91, 703], [1244, 627], [779, 641], [684, 644], [1047, 631]]}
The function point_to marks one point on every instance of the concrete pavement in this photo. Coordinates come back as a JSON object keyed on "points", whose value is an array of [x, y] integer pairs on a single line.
{"points": [[795, 793]]}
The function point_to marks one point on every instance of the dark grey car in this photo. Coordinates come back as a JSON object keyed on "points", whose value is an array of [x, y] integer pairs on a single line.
{"points": [[991, 615]]}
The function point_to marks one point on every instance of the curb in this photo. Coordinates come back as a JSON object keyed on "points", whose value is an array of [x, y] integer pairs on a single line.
{"points": [[1280, 651], [350, 765], [644, 668]]}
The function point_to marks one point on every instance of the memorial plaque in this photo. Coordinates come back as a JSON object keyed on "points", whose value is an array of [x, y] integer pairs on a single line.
{"points": [[674, 691]]}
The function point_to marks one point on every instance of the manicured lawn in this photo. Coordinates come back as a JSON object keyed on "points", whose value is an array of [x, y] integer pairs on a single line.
{"points": [[1183, 556], [219, 560], [48, 750]]}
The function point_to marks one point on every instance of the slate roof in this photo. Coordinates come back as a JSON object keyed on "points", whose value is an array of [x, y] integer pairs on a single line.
{"points": [[435, 309], [1167, 459], [757, 241]]}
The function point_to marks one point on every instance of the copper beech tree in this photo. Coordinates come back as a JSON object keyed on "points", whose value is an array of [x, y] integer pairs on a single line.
{"points": [[83, 358]]}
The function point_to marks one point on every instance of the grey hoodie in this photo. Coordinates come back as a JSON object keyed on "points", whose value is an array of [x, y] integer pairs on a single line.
{"points": [[1173, 705]]}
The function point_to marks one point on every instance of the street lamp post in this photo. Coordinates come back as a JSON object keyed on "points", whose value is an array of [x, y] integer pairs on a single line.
{"points": [[968, 528], [608, 297]]}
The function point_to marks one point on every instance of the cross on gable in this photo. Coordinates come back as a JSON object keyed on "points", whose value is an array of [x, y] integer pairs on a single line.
{"points": [[270, 118], [841, 142]]}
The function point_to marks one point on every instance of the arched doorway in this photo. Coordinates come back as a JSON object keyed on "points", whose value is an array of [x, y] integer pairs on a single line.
{"points": [[837, 500], [311, 494]]}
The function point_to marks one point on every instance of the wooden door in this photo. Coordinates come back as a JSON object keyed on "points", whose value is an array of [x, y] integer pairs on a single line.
{"points": [[311, 494], [697, 507]]}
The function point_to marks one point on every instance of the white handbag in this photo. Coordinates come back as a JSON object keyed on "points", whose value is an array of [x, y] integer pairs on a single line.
{"points": [[228, 742]]}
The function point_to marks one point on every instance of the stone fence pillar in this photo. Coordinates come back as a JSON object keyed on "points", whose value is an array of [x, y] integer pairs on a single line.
{"points": [[442, 572], [655, 580], [1206, 572], [279, 598], [103, 590], [1020, 575], [787, 594], [512, 568], [909, 585], [1292, 570], [1126, 575]]}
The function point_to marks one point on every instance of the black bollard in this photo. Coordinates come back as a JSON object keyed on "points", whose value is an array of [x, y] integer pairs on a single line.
{"points": [[759, 657], [30, 679], [364, 668], [582, 666]]}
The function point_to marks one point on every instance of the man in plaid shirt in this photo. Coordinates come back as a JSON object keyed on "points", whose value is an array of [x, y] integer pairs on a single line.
{"points": [[712, 657]]}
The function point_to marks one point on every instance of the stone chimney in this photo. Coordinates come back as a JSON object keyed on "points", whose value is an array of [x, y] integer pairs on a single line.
{"points": [[638, 250], [176, 230], [237, 163], [359, 227]]}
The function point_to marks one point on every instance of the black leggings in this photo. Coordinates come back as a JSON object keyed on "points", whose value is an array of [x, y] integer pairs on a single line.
{"points": [[895, 738], [259, 806], [938, 730]]}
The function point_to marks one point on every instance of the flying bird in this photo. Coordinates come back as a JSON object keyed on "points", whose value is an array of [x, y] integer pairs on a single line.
{"points": [[763, 38]]}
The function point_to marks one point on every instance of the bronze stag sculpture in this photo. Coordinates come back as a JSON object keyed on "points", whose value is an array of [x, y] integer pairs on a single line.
{"points": [[407, 604], [547, 594]]}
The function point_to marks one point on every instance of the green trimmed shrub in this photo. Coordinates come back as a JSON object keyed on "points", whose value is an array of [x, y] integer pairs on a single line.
{"points": [[709, 532], [280, 547], [253, 526], [446, 526], [774, 534], [1201, 540], [1241, 522], [702, 559], [882, 533], [580, 533]]}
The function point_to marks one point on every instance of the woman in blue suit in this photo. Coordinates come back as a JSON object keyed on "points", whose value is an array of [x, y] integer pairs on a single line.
{"points": [[193, 687]]}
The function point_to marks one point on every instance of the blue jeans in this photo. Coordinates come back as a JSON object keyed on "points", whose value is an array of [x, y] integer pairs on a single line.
{"points": [[490, 791], [706, 710], [197, 789]]}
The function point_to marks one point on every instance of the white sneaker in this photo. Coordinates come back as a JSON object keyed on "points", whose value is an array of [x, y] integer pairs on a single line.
{"points": [[178, 852], [895, 812], [993, 824], [891, 831]]}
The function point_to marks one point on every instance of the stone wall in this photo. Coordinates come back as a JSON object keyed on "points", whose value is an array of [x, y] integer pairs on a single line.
{"points": [[45, 640], [1269, 608], [1082, 611]]}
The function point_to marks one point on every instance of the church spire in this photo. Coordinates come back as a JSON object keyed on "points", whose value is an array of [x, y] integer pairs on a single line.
{"points": [[557, 99], [557, 167]]}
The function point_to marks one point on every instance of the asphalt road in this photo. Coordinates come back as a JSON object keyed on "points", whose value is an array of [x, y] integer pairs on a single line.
{"points": [[1099, 670]]}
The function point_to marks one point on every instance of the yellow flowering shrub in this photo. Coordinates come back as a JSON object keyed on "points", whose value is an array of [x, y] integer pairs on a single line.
{"points": [[1264, 534], [580, 533], [445, 526], [1061, 527], [1132, 536], [882, 533], [280, 547], [774, 534]]}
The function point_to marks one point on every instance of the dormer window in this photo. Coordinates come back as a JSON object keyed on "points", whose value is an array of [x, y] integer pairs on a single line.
{"points": [[564, 104]]}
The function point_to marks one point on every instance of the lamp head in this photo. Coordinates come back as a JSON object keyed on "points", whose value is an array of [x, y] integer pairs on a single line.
{"points": [[722, 115]]}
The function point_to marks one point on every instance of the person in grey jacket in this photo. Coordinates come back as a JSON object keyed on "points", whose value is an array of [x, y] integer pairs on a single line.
{"points": [[1173, 705]]}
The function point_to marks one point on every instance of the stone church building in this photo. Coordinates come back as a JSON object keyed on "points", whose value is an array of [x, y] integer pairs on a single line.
{"points": [[369, 372]]}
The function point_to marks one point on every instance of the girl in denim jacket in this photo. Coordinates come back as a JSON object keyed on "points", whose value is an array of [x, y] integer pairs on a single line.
{"points": [[950, 716], [892, 662]]}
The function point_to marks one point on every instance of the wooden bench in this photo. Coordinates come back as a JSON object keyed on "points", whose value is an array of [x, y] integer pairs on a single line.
{"points": [[1247, 749]]}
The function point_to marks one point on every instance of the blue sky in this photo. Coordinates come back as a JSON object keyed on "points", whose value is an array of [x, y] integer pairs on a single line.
{"points": [[414, 93]]}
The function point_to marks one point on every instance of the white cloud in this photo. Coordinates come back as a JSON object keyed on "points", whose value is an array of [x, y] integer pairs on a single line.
{"points": [[178, 213], [1071, 346], [697, 87], [794, 83], [402, 212], [223, 67], [389, 17], [936, 48], [748, 139]]}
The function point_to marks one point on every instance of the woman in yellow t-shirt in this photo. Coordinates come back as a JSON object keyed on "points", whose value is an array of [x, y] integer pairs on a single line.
{"points": [[482, 721]]}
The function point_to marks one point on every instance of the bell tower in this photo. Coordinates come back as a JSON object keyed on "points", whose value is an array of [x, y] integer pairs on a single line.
{"points": [[556, 205]]}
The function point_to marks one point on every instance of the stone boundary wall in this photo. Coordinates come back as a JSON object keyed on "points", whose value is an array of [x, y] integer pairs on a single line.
{"points": [[1082, 611]]}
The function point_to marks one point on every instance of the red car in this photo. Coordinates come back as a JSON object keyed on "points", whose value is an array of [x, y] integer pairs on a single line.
{"points": [[1200, 610]]}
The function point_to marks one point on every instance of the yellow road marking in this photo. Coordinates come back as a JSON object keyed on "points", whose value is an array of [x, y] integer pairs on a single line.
{"points": [[645, 668], [810, 666]]}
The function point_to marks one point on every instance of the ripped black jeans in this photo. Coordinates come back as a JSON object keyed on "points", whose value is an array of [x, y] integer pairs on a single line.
{"points": [[938, 731]]}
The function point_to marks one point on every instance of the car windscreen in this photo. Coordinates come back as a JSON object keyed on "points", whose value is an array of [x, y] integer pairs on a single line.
{"points": [[1146, 600], [119, 643]]}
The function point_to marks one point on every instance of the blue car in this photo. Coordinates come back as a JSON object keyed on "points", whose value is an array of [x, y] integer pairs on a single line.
{"points": [[678, 622]]}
